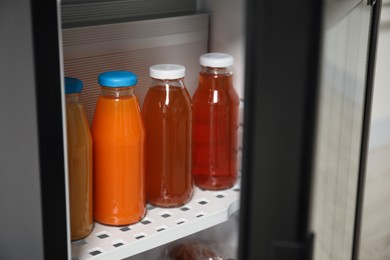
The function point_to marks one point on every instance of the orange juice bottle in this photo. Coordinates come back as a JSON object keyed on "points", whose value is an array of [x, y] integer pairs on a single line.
{"points": [[79, 161], [215, 124], [118, 135], [167, 117]]}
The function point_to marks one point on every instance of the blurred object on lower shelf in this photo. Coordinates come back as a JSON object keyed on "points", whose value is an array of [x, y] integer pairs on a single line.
{"points": [[198, 250], [226, 232]]}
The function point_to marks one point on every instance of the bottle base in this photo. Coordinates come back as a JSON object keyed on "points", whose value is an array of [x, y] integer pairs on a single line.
{"points": [[81, 234], [214, 183], [170, 202], [118, 222]]}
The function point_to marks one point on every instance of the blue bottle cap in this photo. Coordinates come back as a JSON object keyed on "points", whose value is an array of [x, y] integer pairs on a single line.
{"points": [[117, 79], [73, 85]]}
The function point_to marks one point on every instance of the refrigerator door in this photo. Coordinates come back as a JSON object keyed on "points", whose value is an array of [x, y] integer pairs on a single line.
{"points": [[32, 171], [346, 80], [308, 98]]}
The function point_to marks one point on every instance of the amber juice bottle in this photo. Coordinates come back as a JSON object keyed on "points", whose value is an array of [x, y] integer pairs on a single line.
{"points": [[79, 162], [167, 117]]}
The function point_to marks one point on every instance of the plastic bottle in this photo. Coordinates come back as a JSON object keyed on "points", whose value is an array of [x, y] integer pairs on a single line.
{"points": [[79, 161], [167, 117], [118, 134], [215, 124]]}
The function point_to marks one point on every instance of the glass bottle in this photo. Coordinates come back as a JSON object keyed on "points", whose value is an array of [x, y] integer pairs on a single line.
{"points": [[215, 124], [79, 161], [118, 134], [167, 117]]}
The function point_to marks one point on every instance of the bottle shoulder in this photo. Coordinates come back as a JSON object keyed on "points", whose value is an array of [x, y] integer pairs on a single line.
{"points": [[167, 97]]}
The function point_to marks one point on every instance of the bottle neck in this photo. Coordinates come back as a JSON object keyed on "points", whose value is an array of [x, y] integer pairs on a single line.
{"points": [[225, 71], [73, 98], [168, 83], [117, 92]]}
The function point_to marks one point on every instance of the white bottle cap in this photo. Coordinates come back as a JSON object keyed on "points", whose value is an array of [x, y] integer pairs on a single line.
{"points": [[216, 60], [167, 71]]}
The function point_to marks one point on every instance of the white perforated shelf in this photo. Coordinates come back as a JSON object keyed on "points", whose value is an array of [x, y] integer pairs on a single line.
{"points": [[159, 226]]}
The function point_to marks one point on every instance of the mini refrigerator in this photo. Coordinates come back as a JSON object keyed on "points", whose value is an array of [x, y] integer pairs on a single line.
{"points": [[304, 73]]}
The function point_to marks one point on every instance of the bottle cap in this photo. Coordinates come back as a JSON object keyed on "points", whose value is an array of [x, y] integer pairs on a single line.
{"points": [[117, 79], [216, 60], [73, 85], [167, 71]]}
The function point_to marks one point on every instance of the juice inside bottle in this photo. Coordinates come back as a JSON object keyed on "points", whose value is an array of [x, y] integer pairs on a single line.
{"points": [[79, 162], [215, 127], [167, 117], [118, 134]]}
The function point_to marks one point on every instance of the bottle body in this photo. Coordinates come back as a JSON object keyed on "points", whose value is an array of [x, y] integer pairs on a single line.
{"points": [[167, 117], [215, 130], [80, 168], [118, 134]]}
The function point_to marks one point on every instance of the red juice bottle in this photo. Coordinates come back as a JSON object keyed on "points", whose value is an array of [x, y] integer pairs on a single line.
{"points": [[215, 124]]}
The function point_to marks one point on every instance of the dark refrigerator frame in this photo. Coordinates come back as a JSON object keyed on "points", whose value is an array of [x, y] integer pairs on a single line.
{"points": [[282, 61], [280, 124], [279, 139]]}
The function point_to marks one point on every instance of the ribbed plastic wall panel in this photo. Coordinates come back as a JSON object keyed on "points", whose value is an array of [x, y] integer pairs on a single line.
{"points": [[134, 46], [86, 11]]}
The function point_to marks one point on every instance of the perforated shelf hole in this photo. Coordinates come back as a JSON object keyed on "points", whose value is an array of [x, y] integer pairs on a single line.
{"points": [[199, 214], [102, 235], [160, 228], [140, 236], [203, 201], [118, 243], [237, 189], [165, 214], [220, 195], [146, 221], [186, 208], [181, 221], [150, 207], [125, 229], [95, 251]]}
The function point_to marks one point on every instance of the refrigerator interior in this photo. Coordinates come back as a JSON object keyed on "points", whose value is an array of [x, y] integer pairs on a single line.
{"points": [[130, 36]]}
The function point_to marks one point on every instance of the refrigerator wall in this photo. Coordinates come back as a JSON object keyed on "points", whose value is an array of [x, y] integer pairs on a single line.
{"points": [[227, 33], [134, 46]]}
